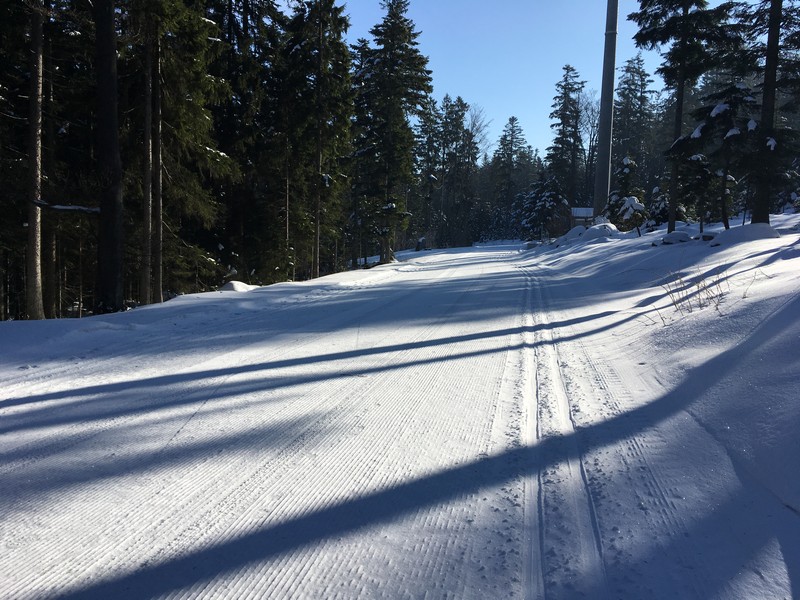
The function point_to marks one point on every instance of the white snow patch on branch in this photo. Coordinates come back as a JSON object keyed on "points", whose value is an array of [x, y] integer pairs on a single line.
{"points": [[719, 109]]}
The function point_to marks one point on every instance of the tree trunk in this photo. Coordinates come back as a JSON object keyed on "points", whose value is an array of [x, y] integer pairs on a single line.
{"points": [[51, 284], [672, 208], [319, 92], [680, 93], [157, 294], [147, 192], [724, 195], [34, 305], [109, 290], [763, 182]]}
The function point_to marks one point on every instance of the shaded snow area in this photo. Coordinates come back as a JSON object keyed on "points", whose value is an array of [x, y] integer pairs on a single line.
{"points": [[592, 420]]}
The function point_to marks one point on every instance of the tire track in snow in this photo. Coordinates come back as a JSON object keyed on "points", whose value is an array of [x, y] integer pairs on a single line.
{"points": [[600, 389], [571, 547]]}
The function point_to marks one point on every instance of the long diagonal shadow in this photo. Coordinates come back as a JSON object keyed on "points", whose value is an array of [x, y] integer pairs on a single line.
{"points": [[33, 417], [390, 504]]}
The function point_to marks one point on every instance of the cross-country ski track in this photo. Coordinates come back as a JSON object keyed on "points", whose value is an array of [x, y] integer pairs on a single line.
{"points": [[469, 424]]}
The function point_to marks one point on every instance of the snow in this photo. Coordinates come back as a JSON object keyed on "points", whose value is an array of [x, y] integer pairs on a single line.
{"points": [[572, 235], [676, 237], [600, 232], [719, 109], [612, 420], [732, 132], [698, 131], [630, 207], [752, 233], [237, 286]]}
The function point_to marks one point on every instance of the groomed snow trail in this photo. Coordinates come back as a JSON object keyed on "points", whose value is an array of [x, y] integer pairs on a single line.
{"points": [[350, 440], [467, 424]]}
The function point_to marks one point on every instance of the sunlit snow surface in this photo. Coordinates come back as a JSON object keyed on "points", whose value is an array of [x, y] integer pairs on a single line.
{"points": [[598, 420]]}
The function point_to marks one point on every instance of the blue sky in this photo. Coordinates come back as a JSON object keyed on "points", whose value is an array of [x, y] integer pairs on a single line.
{"points": [[506, 56]]}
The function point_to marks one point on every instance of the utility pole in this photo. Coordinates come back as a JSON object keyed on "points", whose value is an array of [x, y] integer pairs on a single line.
{"points": [[603, 170]]}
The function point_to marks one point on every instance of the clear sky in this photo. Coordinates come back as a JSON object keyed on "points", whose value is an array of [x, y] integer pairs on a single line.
{"points": [[506, 56]]}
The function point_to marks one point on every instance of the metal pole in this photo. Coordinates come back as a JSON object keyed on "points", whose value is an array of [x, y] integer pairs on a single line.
{"points": [[603, 170]]}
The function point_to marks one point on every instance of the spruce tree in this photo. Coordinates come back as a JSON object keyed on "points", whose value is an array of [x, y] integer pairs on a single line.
{"points": [[511, 170], [459, 161], [767, 133], [397, 81], [427, 200], [250, 129], [625, 208], [544, 206], [564, 155], [109, 289], [317, 61], [633, 112], [33, 292]]}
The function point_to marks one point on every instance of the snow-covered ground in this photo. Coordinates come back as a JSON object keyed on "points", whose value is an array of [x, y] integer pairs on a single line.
{"points": [[602, 419]]}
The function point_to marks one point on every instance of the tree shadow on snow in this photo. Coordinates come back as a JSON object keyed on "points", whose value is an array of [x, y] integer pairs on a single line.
{"points": [[739, 517]]}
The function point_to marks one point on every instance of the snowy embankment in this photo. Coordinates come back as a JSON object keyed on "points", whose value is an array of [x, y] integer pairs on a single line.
{"points": [[605, 418]]}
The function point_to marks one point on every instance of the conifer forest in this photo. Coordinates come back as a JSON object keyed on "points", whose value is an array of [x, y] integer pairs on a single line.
{"points": [[150, 148]]}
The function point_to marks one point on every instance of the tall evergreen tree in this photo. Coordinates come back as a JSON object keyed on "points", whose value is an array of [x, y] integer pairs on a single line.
{"points": [[251, 129], [459, 162], [109, 290], [633, 112], [33, 292], [318, 61], [564, 156], [767, 124], [396, 81], [511, 169], [428, 156]]}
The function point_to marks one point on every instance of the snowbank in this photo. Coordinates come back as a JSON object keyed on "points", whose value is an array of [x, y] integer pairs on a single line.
{"points": [[237, 286], [746, 233]]}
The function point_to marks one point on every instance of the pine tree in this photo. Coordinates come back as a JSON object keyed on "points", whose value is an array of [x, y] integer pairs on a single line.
{"points": [[317, 61], [543, 207], [250, 128], [511, 170], [14, 47], [109, 290], [395, 81], [633, 113], [625, 208], [563, 157], [768, 144], [726, 131], [33, 292], [428, 202], [459, 162]]}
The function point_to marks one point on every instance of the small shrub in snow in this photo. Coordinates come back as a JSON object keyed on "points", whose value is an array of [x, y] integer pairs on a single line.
{"points": [[704, 290]]}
